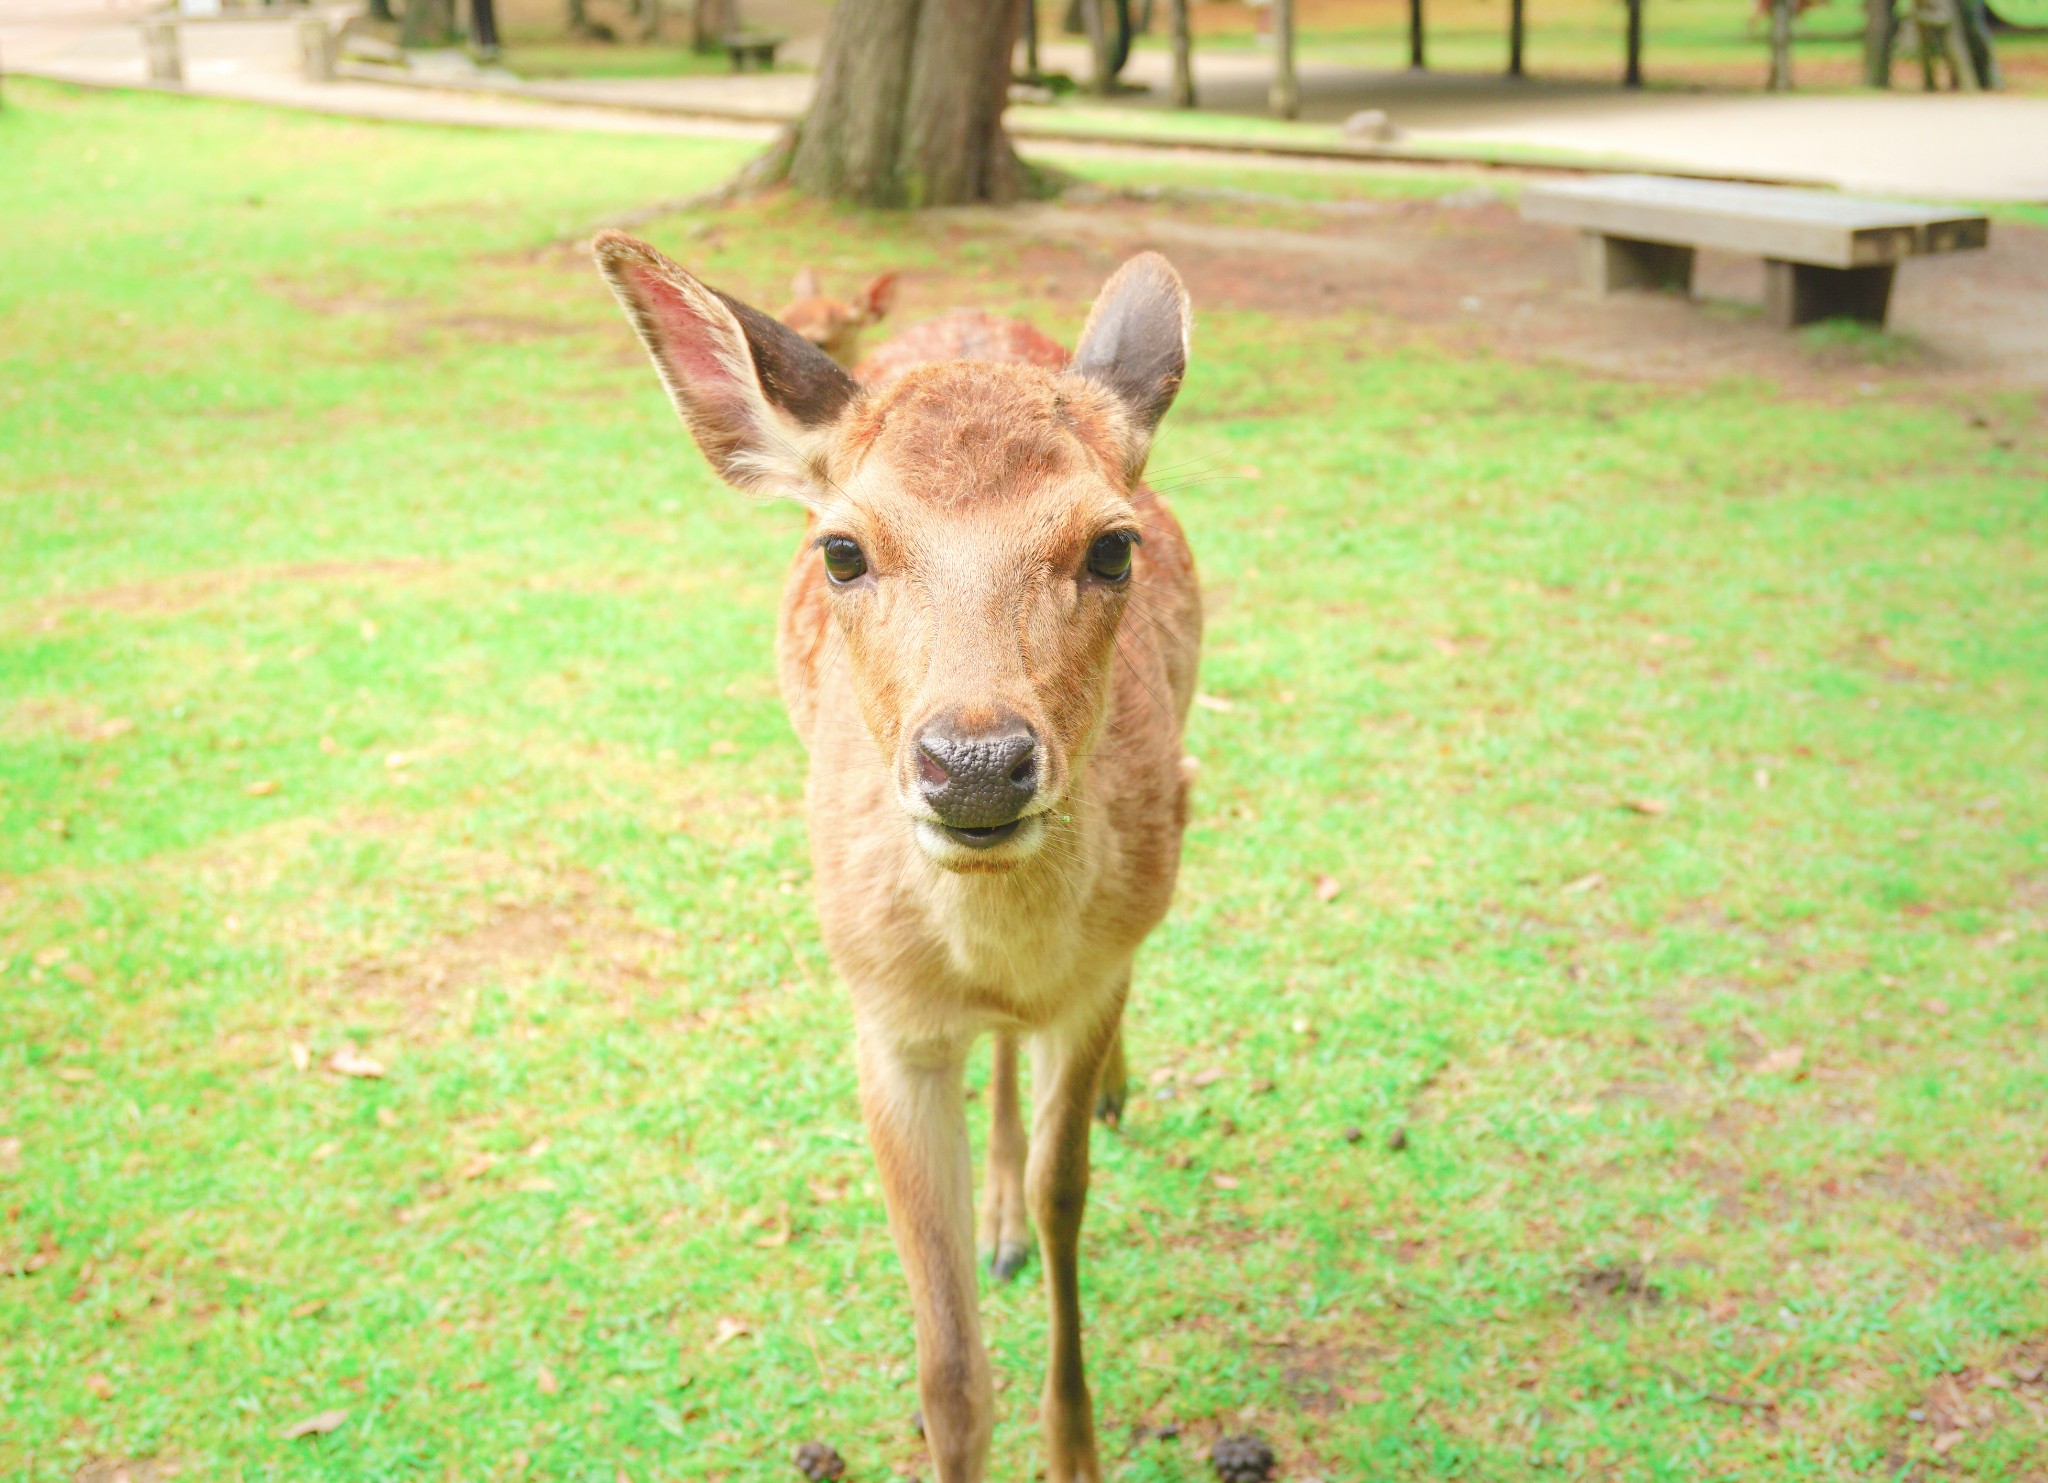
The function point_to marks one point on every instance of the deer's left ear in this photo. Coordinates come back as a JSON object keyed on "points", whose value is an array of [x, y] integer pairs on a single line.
{"points": [[1135, 346], [758, 397]]}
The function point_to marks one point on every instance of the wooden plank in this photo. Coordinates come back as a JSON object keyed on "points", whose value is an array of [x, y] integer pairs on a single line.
{"points": [[1767, 221]]}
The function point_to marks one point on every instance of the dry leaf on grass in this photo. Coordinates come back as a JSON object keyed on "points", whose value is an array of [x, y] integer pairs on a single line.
{"points": [[308, 1308], [348, 1061], [1207, 1077], [544, 1380], [261, 789], [100, 1385], [302, 1056], [728, 1330], [316, 1425], [1650, 806], [477, 1167], [1223, 1181], [10, 1153], [1327, 887], [1788, 1061], [779, 1228], [1589, 882], [1214, 702]]}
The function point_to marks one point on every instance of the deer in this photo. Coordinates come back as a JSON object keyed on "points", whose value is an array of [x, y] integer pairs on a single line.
{"points": [[834, 325], [987, 643]]}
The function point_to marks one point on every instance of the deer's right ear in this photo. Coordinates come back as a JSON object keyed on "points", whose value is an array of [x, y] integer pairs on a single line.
{"points": [[758, 397]]}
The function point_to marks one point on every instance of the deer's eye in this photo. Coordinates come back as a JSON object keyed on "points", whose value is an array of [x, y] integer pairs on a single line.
{"points": [[1110, 557], [843, 561]]}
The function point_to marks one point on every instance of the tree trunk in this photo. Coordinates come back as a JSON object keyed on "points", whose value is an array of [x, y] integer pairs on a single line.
{"points": [[1781, 46], [1183, 57], [909, 107], [426, 23], [1879, 28], [710, 20]]}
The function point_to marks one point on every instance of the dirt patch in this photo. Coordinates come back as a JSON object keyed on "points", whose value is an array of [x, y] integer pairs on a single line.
{"points": [[1614, 1282], [1466, 271], [575, 933], [190, 590], [2008, 1396], [125, 1470]]}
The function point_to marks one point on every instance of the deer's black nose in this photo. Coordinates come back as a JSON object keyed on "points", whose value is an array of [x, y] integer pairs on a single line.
{"points": [[977, 777]]}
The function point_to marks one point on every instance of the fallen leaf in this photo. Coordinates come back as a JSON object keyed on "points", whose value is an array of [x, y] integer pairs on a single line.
{"points": [[108, 730], [1208, 1077], [1178, 1160], [1650, 806], [1946, 1441], [73, 1073], [477, 1167], [779, 1230], [1327, 887], [1783, 1062], [315, 1425], [348, 1061], [100, 1385], [395, 760], [326, 1151], [1223, 1181], [308, 1308], [10, 1153], [262, 789], [302, 1056], [728, 1330], [79, 974], [1762, 777], [545, 1382], [1589, 882], [1214, 702], [1262, 1085], [538, 1184]]}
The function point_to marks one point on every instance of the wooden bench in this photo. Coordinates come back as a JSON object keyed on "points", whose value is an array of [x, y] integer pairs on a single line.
{"points": [[755, 46], [1825, 256]]}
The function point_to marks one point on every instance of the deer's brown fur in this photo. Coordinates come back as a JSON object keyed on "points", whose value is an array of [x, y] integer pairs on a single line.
{"points": [[975, 490]]}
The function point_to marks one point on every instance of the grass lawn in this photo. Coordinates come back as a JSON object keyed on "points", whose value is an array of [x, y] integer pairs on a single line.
{"points": [[382, 677]]}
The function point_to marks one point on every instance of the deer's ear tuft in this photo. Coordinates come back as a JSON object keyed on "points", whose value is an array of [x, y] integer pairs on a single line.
{"points": [[757, 396], [1135, 345]]}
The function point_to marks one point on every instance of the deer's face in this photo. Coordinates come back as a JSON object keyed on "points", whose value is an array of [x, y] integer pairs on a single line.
{"points": [[979, 542], [973, 522], [834, 325]]}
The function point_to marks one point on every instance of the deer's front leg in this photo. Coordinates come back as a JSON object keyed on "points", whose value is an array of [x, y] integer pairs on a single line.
{"points": [[1066, 1068], [917, 1126]]}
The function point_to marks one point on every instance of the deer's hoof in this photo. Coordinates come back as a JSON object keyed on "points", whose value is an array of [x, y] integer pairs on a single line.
{"points": [[1109, 1106], [1009, 1260]]}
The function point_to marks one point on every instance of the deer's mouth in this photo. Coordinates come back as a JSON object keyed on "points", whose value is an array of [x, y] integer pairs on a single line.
{"points": [[983, 839], [981, 847]]}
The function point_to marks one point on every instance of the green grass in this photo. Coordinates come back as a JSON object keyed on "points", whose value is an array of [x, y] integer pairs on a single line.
{"points": [[380, 669]]}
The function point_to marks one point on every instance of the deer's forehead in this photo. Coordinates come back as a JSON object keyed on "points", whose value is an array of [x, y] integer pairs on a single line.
{"points": [[969, 433]]}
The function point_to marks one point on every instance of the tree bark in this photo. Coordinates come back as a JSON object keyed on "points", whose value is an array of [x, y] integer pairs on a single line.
{"points": [[1183, 57], [1781, 46], [909, 106], [1879, 27], [426, 23], [709, 22]]}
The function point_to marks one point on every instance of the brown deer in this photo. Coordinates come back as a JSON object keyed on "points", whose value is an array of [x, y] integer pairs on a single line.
{"points": [[987, 643], [834, 325]]}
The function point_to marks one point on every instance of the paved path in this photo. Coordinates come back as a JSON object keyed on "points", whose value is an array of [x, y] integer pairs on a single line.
{"points": [[1984, 147]]}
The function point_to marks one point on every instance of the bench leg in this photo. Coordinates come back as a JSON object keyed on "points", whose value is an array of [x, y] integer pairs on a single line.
{"points": [[1799, 293], [1610, 264]]}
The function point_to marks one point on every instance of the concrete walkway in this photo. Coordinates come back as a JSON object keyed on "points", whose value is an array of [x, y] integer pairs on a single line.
{"points": [[1942, 146]]}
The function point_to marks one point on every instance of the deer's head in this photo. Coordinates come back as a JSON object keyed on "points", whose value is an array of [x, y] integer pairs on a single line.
{"points": [[834, 325], [974, 523]]}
